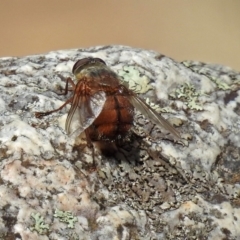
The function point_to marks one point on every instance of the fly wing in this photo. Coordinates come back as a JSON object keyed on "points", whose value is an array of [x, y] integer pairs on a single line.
{"points": [[84, 110], [150, 113]]}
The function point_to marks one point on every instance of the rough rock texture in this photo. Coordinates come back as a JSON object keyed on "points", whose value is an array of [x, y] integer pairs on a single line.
{"points": [[153, 188]]}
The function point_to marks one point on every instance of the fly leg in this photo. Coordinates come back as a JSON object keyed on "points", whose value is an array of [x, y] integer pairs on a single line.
{"points": [[42, 114], [68, 80]]}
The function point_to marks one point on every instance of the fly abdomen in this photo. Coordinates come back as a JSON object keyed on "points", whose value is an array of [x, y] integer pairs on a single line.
{"points": [[114, 121]]}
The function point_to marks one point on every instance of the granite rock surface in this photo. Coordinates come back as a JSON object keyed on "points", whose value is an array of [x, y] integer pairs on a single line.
{"points": [[154, 187]]}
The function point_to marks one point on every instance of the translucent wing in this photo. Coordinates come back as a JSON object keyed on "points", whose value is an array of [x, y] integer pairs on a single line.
{"points": [[84, 110], [150, 113]]}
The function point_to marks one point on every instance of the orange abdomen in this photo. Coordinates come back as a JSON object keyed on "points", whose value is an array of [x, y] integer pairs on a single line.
{"points": [[114, 121]]}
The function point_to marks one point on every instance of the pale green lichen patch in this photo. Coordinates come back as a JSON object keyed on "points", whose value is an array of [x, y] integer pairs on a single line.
{"points": [[39, 226], [137, 82], [157, 108], [220, 84], [195, 67], [188, 94], [66, 217]]}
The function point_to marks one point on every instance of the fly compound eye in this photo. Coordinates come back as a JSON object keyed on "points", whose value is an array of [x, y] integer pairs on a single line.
{"points": [[82, 63], [99, 60]]}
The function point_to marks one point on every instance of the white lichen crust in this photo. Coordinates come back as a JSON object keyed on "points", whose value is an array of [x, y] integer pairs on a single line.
{"points": [[153, 187]]}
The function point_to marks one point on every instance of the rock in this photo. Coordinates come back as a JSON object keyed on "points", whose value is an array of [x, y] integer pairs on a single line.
{"points": [[153, 188]]}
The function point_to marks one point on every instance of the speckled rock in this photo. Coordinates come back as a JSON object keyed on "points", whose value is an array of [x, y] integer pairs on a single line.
{"points": [[154, 187]]}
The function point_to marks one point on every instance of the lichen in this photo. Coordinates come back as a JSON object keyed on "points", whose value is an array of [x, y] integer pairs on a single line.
{"points": [[221, 85], [157, 108], [66, 217], [39, 226], [137, 82], [200, 69], [188, 94]]}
